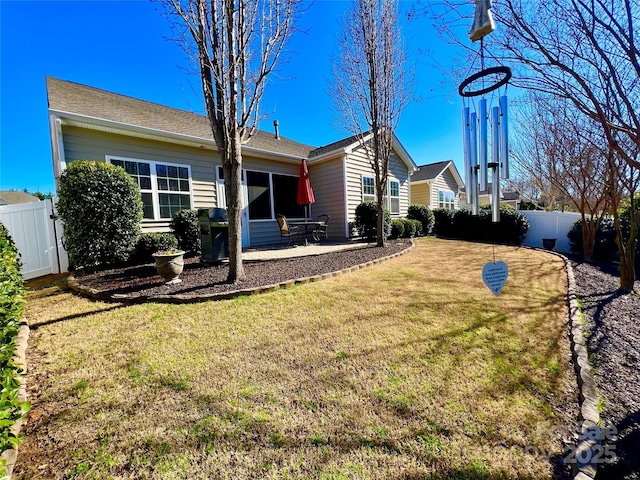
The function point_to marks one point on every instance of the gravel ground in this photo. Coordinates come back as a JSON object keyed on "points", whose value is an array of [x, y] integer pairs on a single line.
{"points": [[612, 328], [202, 279]]}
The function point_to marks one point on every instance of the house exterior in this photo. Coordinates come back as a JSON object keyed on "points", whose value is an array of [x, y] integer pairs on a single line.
{"points": [[511, 198], [437, 185], [173, 157]]}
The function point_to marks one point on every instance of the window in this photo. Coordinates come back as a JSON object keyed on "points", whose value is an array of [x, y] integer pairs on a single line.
{"points": [[270, 194], [259, 194], [285, 189], [368, 189], [394, 197], [165, 188], [446, 199]]}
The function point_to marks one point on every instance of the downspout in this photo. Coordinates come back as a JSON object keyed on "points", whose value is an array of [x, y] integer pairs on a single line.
{"points": [[57, 147], [345, 194]]}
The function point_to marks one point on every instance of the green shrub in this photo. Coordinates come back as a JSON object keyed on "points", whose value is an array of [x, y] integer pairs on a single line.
{"points": [[397, 228], [511, 229], [443, 222], [101, 209], [409, 227], [423, 214], [150, 243], [186, 229], [604, 248], [366, 221], [12, 302]]}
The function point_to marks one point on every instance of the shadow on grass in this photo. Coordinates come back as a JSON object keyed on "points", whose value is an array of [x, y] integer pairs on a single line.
{"points": [[35, 325]]}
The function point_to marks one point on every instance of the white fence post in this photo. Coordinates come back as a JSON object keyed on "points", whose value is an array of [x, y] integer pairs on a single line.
{"points": [[37, 238]]}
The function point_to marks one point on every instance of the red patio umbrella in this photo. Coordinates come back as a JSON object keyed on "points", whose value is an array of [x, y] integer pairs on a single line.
{"points": [[305, 192]]}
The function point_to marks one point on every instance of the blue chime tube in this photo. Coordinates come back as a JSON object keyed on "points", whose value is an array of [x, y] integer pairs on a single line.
{"points": [[467, 151], [495, 194], [483, 150], [495, 135], [504, 137], [473, 162]]}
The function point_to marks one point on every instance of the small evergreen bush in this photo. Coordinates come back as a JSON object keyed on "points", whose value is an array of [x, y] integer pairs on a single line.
{"points": [[366, 219], [604, 248], [409, 227], [397, 228], [101, 208], [186, 228], [443, 222], [150, 243], [12, 303], [424, 215]]}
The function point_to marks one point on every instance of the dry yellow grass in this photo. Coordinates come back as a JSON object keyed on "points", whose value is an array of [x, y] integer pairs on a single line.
{"points": [[409, 369]]}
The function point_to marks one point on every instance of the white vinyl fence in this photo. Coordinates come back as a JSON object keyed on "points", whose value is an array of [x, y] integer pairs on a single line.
{"points": [[549, 225], [38, 236]]}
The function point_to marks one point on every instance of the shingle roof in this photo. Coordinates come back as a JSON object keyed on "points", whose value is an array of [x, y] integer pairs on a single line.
{"points": [[70, 97], [430, 171], [10, 197], [345, 142]]}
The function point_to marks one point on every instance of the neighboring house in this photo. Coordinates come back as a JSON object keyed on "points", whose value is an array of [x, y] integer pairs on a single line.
{"points": [[437, 185], [484, 197], [173, 157], [11, 197]]}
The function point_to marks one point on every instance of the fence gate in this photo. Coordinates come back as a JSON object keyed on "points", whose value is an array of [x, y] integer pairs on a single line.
{"points": [[38, 235]]}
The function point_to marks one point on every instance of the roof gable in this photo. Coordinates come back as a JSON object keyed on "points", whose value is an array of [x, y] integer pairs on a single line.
{"points": [[431, 171]]}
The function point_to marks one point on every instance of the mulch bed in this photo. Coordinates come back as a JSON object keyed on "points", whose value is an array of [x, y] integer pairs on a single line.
{"points": [[200, 279], [612, 329]]}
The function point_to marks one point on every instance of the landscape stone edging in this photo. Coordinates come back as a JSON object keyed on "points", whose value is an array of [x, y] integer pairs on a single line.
{"points": [[20, 359], [589, 417], [95, 294]]}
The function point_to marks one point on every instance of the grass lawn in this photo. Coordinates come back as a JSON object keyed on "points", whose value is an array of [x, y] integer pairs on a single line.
{"points": [[408, 369]]}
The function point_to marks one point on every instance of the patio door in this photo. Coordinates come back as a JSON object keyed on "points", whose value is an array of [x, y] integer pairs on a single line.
{"points": [[244, 213]]}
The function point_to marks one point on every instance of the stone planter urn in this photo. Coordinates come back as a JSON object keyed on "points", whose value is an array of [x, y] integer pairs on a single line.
{"points": [[549, 243], [169, 264]]}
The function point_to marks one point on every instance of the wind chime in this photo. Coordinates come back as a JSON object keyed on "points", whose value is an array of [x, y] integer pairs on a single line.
{"points": [[477, 163]]}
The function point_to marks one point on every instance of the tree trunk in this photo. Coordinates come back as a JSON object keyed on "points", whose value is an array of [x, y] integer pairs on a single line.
{"points": [[234, 209], [627, 250], [588, 238], [380, 226]]}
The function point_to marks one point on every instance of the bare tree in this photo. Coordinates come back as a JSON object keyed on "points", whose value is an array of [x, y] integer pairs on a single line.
{"points": [[236, 44], [371, 85], [563, 151], [624, 186]]}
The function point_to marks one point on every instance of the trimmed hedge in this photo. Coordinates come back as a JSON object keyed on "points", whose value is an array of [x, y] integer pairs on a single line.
{"points": [[101, 208], [12, 303], [397, 228], [186, 228], [150, 243], [511, 229], [424, 215], [605, 247], [366, 221]]}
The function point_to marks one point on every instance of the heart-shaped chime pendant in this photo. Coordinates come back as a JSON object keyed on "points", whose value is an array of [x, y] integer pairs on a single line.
{"points": [[495, 276]]}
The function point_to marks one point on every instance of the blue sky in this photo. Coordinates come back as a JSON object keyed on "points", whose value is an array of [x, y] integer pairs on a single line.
{"points": [[125, 47]]}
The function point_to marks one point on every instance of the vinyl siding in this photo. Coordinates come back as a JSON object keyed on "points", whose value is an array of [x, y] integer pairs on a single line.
{"points": [[82, 144], [444, 181], [358, 165], [328, 187], [421, 194]]}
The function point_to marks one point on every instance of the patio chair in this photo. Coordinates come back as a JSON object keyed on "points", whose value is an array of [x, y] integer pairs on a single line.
{"points": [[287, 231], [322, 228]]}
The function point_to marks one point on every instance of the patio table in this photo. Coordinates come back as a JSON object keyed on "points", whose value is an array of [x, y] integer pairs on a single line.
{"points": [[308, 227]]}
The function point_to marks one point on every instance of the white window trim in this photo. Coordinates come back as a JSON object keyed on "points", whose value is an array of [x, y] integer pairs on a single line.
{"points": [[154, 183], [448, 203], [389, 196], [366, 195], [271, 198]]}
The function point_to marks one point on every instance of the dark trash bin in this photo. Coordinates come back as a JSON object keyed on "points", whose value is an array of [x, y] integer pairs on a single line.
{"points": [[214, 234]]}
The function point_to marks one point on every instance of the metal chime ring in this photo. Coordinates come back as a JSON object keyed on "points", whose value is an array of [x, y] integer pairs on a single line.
{"points": [[487, 72]]}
